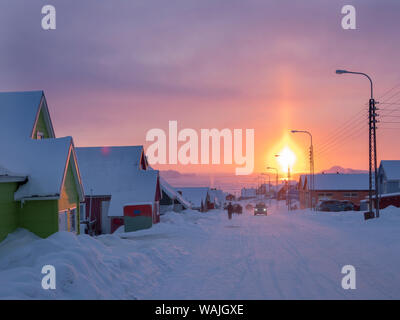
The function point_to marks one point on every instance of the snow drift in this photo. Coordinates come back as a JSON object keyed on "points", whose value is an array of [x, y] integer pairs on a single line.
{"points": [[296, 255]]}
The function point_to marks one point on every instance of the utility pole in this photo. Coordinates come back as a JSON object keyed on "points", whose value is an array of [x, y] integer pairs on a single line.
{"points": [[372, 153], [373, 169], [312, 176]]}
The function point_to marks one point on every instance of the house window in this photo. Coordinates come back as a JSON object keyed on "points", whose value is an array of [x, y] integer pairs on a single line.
{"points": [[39, 135], [350, 194], [325, 195]]}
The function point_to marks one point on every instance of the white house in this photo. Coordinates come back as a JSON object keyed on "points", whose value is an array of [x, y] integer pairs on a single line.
{"points": [[199, 197], [248, 193], [114, 177], [389, 176], [171, 199]]}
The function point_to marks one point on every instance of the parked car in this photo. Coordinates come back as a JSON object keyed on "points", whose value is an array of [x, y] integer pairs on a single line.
{"points": [[260, 209], [348, 205], [237, 208], [335, 206]]}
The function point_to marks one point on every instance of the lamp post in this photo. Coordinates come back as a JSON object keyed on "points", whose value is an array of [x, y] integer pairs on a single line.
{"points": [[312, 179], [372, 147]]}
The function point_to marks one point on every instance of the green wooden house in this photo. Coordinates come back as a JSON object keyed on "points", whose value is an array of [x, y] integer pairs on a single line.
{"points": [[40, 184]]}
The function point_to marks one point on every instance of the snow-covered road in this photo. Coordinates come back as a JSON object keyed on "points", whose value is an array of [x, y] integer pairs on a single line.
{"points": [[296, 255], [286, 256]]}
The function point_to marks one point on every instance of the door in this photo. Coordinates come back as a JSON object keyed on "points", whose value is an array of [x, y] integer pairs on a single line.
{"points": [[138, 217], [72, 220], [63, 220], [105, 220]]}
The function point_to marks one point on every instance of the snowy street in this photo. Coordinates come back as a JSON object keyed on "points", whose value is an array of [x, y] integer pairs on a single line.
{"points": [[285, 256], [296, 255]]}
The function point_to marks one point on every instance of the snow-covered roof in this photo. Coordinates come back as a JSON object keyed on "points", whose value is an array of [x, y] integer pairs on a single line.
{"points": [[116, 171], [391, 168], [19, 112], [217, 196], [334, 181], [7, 175], [106, 169], [142, 189], [43, 162], [195, 195], [173, 194]]}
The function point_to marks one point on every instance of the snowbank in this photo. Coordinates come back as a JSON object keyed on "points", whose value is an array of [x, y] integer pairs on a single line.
{"points": [[107, 267], [192, 255]]}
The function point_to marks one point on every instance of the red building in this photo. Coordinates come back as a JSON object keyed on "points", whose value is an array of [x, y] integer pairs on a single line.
{"points": [[349, 187], [94, 212]]}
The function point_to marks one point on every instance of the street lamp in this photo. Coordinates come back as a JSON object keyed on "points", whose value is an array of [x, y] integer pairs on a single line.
{"points": [[372, 147], [360, 73], [312, 179]]}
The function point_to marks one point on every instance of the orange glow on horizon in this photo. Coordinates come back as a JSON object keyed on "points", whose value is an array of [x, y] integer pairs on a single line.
{"points": [[286, 158], [291, 154]]}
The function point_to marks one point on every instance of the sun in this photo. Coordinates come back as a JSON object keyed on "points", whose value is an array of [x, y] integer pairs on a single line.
{"points": [[286, 159]]}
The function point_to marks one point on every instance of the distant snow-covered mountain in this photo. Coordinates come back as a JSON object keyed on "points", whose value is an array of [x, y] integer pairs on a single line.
{"points": [[339, 169]]}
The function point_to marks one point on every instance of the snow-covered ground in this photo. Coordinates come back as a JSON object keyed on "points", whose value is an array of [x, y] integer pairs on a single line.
{"points": [[296, 255]]}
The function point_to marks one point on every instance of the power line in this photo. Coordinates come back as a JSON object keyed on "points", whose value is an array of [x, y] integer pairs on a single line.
{"points": [[345, 134], [348, 127]]}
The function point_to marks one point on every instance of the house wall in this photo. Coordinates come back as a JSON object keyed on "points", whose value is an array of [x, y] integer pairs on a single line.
{"points": [[139, 217], [385, 185], [41, 126], [95, 205], [165, 200], [39, 217], [340, 195], [8, 209], [304, 199], [166, 203], [389, 201], [69, 198], [392, 186]]}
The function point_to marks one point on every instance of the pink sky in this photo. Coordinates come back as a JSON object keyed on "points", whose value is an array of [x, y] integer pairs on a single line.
{"points": [[113, 72]]}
